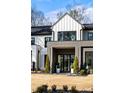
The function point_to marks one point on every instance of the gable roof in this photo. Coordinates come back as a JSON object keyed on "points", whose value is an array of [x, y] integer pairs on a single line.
{"points": [[64, 16], [41, 30]]}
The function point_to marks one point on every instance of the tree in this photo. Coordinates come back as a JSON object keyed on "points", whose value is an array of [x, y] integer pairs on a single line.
{"points": [[37, 17], [77, 11], [59, 14], [75, 65], [47, 65]]}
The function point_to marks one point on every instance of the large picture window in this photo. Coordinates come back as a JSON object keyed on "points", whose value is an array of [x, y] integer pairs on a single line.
{"points": [[47, 39], [66, 35]]}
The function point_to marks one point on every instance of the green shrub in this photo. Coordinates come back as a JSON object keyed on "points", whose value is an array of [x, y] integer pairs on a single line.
{"points": [[65, 87], [53, 88], [82, 72], [75, 65], [73, 89], [41, 89], [47, 65]]}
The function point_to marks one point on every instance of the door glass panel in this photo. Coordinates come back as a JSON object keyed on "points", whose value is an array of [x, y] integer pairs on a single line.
{"points": [[89, 59], [65, 62]]}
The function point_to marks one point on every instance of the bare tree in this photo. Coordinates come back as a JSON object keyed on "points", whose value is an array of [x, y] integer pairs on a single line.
{"points": [[77, 13], [37, 17], [59, 14], [80, 15]]}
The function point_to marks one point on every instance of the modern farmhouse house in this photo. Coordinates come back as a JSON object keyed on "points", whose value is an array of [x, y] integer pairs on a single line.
{"points": [[62, 41]]}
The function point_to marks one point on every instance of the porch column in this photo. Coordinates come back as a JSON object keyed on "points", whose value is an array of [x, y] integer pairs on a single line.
{"points": [[51, 59], [79, 57]]}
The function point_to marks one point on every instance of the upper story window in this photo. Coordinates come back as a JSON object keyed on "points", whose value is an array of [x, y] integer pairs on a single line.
{"points": [[87, 35], [32, 40], [66, 35], [90, 35], [47, 39]]}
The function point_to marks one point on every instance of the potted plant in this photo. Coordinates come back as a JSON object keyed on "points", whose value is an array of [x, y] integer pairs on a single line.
{"points": [[58, 69], [72, 68]]}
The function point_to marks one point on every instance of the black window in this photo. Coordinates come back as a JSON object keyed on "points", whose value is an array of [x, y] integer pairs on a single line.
{"points": [[47, 39], [90, 35], [32, 40], [66, 35]]}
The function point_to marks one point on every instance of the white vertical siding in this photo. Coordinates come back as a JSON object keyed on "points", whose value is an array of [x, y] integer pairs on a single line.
{"points": [[67, 24], [39, 40]]}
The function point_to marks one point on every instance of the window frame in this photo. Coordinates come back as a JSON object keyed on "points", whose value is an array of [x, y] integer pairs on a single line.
{"points": [[90, 37], [63, 35], [32, 40], [45, 41]]}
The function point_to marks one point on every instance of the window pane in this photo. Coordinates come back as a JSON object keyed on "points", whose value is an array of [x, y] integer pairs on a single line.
{"points": [[67, 36], [60, 38], [47, 39], [90, 35], [32, 40]]}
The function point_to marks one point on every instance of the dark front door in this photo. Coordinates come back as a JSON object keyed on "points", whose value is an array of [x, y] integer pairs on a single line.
{"points": [[64, 62]]}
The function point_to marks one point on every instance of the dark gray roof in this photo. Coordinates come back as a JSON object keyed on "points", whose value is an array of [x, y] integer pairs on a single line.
{"points": [[87, 26], [41, 30]]}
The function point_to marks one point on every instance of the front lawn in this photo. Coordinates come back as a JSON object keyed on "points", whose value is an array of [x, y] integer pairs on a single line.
{"points": [[81, 82]]}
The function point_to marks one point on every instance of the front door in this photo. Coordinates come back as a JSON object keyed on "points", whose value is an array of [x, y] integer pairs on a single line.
{"points": [[64, 62]]}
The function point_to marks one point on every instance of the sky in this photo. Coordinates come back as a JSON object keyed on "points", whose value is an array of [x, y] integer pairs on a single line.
{"points": [[51, 7]]}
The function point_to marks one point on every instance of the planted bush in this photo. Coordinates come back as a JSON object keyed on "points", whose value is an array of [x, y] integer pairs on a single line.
{"points": [[75, 65], [41, 89], [53, 88], [47, 65], [65, 88], [82, 72], [73, 89]]}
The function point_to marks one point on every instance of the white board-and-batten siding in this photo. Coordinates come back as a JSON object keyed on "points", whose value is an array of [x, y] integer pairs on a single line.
{"points": [[67, 23]]}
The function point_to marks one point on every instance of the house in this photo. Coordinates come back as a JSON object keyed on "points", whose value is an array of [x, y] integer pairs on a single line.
{"points": [[62, 41]]}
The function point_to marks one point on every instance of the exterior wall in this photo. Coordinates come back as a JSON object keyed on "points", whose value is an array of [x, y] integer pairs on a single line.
{"points": [[34, 53], [67, 24], [43, 53], [39, 40], [35, 49], [85, 34]]}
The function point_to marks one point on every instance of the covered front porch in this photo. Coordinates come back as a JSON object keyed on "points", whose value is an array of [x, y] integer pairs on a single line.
{"points": [[61, 54]]}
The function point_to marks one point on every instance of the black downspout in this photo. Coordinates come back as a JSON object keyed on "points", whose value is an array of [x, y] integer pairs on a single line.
{"points": [[53, 35]]}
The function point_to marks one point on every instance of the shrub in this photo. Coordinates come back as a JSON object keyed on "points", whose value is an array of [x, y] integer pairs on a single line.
{"points": [[47, 65], [72, 66], [53, 88], [73, 89], [75, 65], [82, 72], [42, 89], [65, 87]]}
